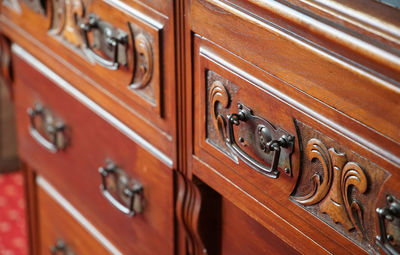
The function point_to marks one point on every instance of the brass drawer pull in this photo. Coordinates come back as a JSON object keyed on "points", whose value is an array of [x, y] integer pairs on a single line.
{"points": [[54, 129], [390, 213], [111, 41], [129, 191], [268, 140], [60, 248]]}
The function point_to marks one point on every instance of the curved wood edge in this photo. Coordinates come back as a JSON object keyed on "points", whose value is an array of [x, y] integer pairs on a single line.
{"points": [[188, 205]]}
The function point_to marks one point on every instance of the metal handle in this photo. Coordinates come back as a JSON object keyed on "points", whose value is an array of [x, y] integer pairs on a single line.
{"points": [[134, 192], [56, 131], [265, 142], [390, 213], [59, 246], [112, 39]]}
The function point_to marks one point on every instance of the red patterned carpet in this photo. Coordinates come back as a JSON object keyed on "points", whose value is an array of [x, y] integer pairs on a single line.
{"points": [[13, 240]]}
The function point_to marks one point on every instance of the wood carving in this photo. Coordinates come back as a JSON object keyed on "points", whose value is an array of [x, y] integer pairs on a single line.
{"points": [[220, 92], [188, 209], [219, 96], [333, 189], [338, 186], [144, 62], [65, 17]]}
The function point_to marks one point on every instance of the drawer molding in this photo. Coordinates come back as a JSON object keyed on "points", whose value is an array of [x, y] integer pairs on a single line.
{"points": [[77, 215], [36, 64]]}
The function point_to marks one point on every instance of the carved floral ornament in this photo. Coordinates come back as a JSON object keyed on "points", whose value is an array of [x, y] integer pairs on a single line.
{"points": [[333, 190], [338, 191]]}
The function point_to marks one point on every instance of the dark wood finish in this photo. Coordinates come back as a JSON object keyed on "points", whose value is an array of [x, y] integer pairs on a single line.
{"points": [[55, 224], [74, 170], [8, 149], [312, 84]]}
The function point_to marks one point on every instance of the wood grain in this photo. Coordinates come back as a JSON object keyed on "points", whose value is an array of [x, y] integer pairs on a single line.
{"points": [[55, 224], [74, 171]]}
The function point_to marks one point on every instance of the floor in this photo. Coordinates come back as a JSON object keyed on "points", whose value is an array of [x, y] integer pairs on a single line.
{"points": [[13, 237]]}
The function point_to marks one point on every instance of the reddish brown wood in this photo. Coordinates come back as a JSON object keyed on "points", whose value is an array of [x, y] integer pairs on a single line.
{"points": [[31, 208], [55, 224], [74, 171], [152, 107], [326, 72], [241, 234]]}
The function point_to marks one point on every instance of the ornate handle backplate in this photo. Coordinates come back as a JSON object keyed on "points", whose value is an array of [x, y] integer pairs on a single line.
{"points": [[268, 139], [54, 135], [129, 191], [112, 42], [389, 242]]}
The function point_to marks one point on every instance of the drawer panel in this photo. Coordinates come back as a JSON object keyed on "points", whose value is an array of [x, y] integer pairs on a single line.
{"points": [[320, 177], [318, 67], [76, 160], [60, 232], [121, 51]]}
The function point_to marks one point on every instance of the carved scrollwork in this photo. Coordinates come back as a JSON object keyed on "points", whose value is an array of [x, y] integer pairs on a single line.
{"points": [[338, 186], [219, 96], [188, 206], [333, 189], [144, 62], [66, 15]]}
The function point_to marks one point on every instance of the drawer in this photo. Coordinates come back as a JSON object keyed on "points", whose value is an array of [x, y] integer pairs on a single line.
{"points": [[115, 178], [292, 160], [60, 232], [117, 53], [316, 56]]}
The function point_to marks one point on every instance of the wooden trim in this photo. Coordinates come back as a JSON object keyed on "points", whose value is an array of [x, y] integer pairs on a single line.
{"points": [[326, 35]]}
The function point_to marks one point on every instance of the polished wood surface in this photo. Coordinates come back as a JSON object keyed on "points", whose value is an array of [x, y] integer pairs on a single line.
{"points": [[151, 108], [255, 127], [56, 225], [74, 170]]}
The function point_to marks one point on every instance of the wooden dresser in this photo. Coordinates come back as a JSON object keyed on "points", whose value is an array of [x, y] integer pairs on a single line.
{"points": [[195, 127]]}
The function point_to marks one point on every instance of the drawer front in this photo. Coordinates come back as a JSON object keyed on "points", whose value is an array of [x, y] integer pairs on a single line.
{"points": [[60, 232], [121, 51], [312, 63], [274, 148], [107, 175]]}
